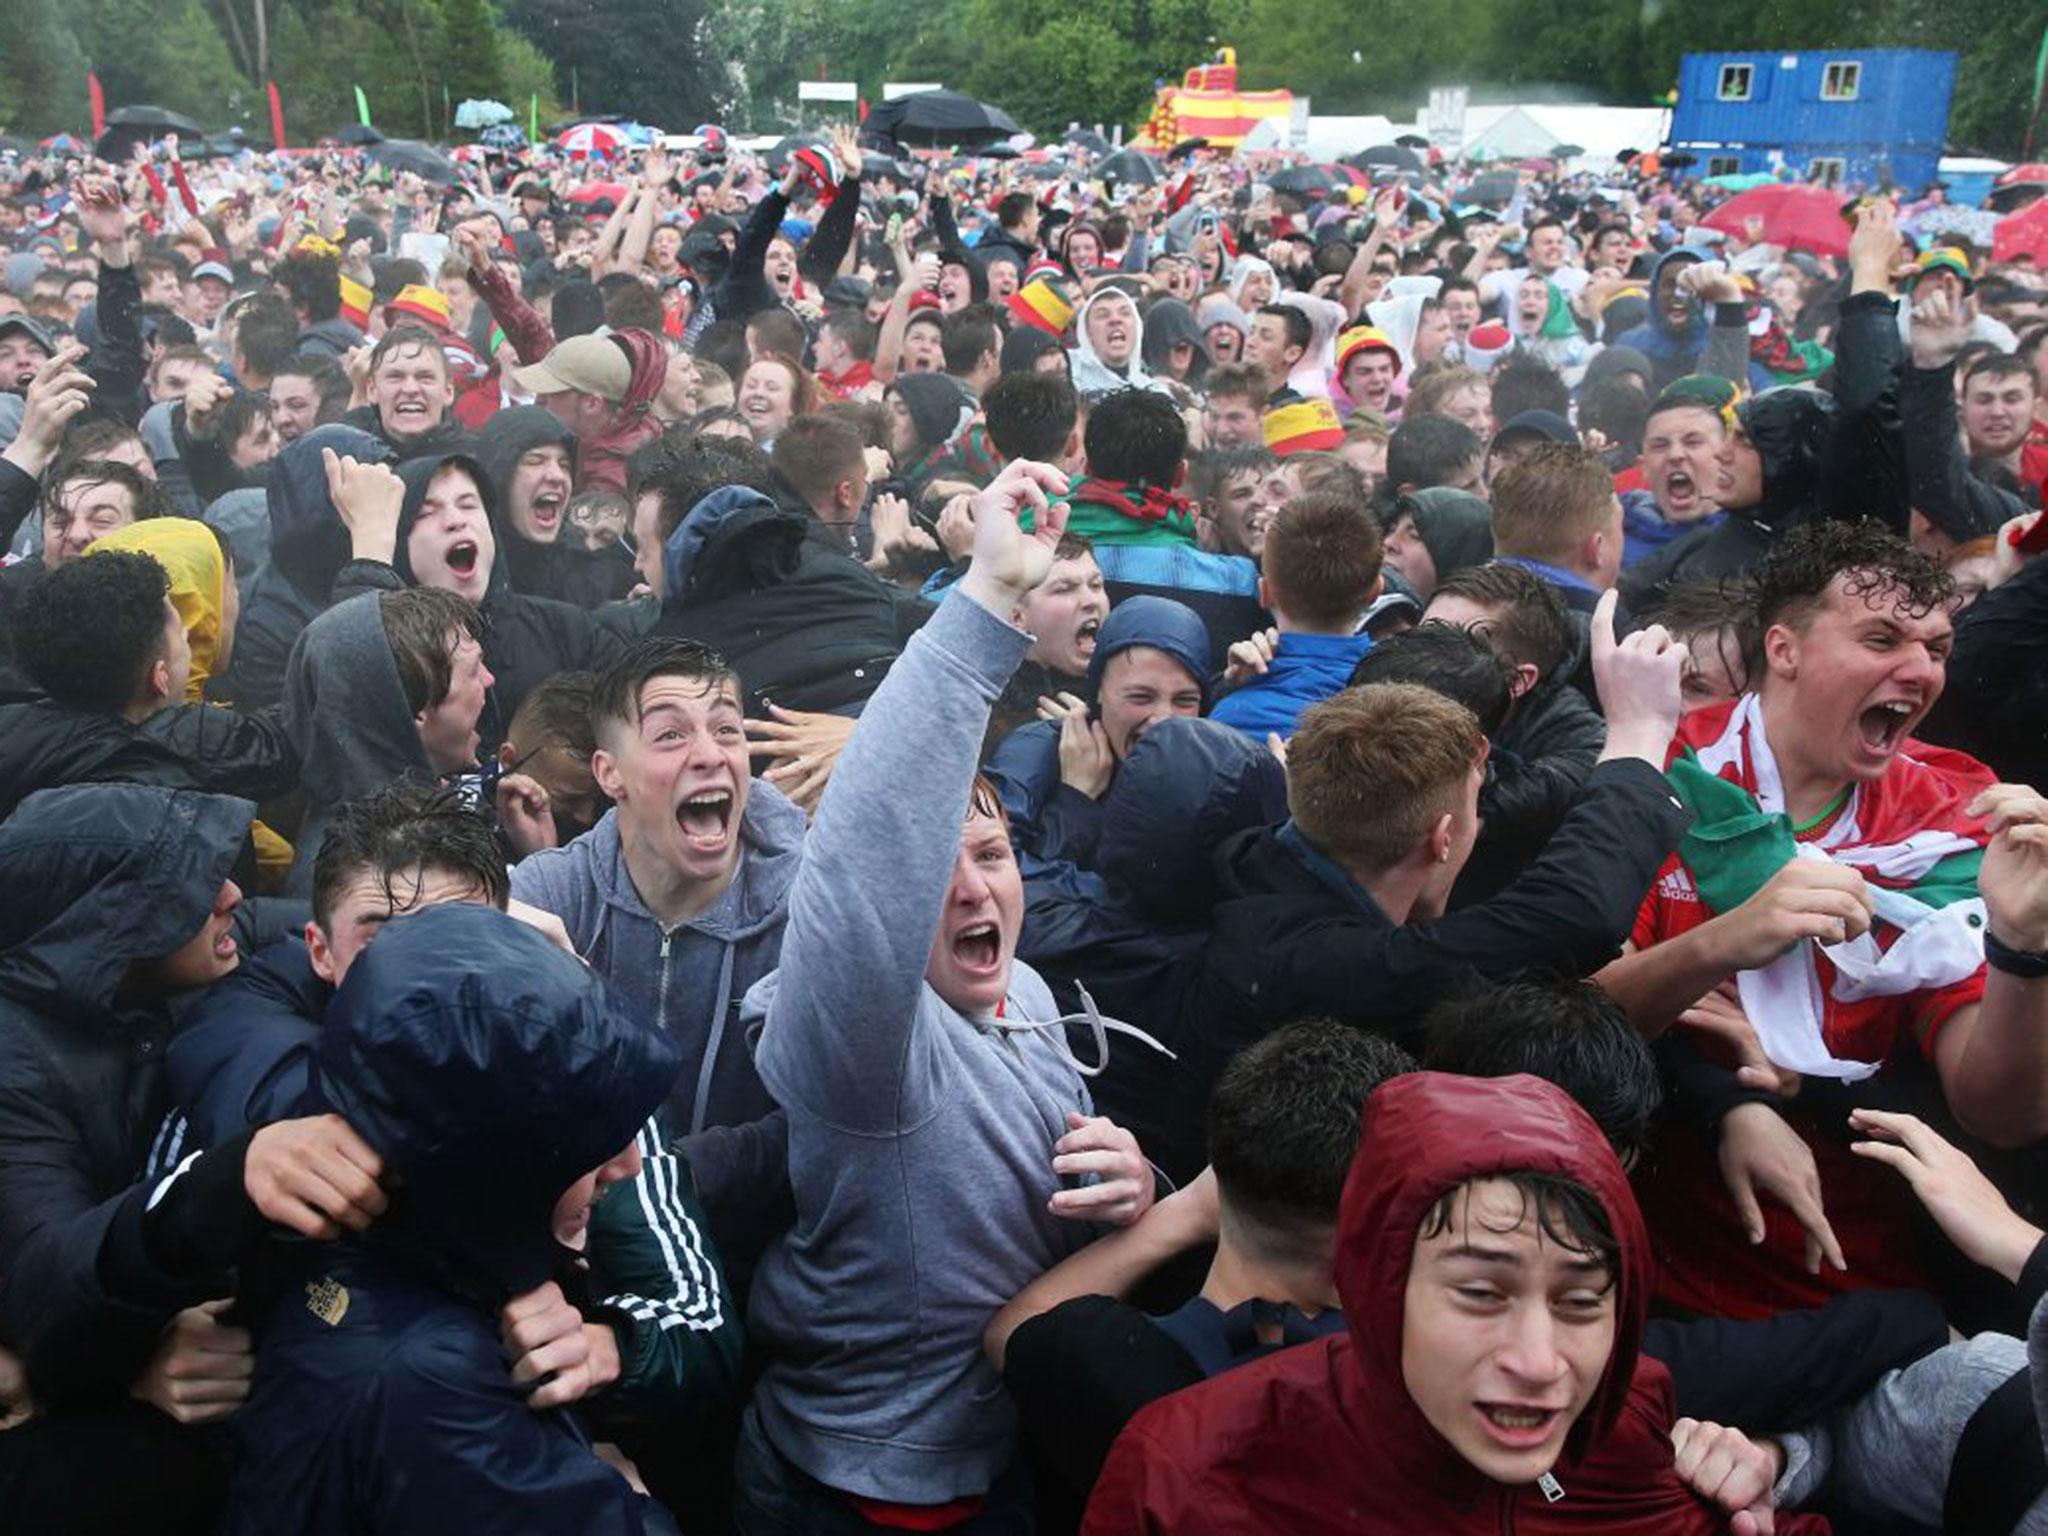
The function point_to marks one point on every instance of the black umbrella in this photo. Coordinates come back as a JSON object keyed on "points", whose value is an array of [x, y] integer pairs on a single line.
{"points": [[874, 164], [423, 160], [1088, 139], [130, 126], [1567, 151], [1132, 168], [1308, 180], [777, 158], [1398, 156], [1412, 141], [941, 117], [357, 134], [1495, 189]]}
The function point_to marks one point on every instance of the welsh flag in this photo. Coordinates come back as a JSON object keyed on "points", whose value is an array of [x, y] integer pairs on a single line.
{"points": [[1910, 836]]}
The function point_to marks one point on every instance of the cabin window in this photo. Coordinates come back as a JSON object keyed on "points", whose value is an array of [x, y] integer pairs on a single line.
{"points": [[1841, 81], [1827, 171], [1735, 82], [1724, 165]]}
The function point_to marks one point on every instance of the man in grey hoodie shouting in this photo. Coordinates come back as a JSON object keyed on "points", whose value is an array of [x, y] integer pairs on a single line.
{"points": [[942, 1145], [677, 897]]}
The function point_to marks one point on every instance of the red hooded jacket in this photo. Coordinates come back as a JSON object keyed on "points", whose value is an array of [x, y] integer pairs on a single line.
{"points": [[1325, 1438]]}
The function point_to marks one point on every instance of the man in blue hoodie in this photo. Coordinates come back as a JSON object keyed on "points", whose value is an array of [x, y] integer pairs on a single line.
{"points": [[678, 897], [1678, 338]]}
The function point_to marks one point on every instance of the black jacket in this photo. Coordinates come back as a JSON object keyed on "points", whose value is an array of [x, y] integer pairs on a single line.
{"points": [[308, 547], [92, 879], [804, 624], [1290, 941], [563, 571], [1995, 706], [1840, 456], [45, 745], [487, 1070], [1540, 760]]}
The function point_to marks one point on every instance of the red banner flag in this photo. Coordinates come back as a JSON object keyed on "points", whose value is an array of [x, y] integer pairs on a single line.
{"points": [[276, 117], [99, 103]]}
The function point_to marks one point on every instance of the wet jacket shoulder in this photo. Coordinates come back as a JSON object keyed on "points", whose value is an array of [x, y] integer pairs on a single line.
{"points": [[45, 745], [92, 878], [802, 624]]}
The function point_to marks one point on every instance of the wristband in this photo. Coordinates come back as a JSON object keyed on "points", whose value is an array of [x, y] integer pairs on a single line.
{"points": [[2014, 962]]}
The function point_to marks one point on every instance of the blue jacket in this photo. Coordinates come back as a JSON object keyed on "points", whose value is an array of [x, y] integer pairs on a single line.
{"points": [[1305, 670], [1645, 531], [488, 1071]]}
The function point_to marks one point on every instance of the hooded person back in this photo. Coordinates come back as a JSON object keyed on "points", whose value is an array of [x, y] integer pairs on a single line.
{"points": [[1326, 1437], [309, 544], [559, 570], [526, 639], [96, 877], [489, 1072], [347, 714], [799, 622], [1456, 527]]}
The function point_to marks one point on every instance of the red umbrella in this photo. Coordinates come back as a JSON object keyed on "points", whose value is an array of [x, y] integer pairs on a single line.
{"points": [[591, 139], [2033, 173], [2022, 233], [592, 191], [1794, 216]]}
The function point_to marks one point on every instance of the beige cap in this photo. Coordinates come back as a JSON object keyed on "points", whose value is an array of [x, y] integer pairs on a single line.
{"points": [[592, 365]]}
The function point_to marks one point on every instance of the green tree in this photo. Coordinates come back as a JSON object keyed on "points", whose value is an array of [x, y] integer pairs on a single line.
{"points": [[470, 63], [42, 70]]}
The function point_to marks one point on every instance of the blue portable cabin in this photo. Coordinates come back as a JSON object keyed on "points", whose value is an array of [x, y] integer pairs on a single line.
{"points": [[1840, 116]]}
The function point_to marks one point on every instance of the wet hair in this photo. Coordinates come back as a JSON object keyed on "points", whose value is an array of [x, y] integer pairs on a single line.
{"points": [[1426, 451], [89, 631], [312, 282], [1567, 1213], [328, 379], [1301, 331], [1322, 559], [143, 494], [556, 712], [1524, 384], [634, 306], [1700, 607], [1031, 415], [407, 338], [969, 336], [1436, 383], [1371, 769], [1564, 1031], [778, 331], [406, 828], [1530, 625], [683, 471], [1794, 578], [855, 329], [615, 695], [267, 334], [1999, 365], [1329, 474], [1136, 436], [1211, 469], [1448, 661], [418, 624], [1284, 1122], [1550, 500], [815, 454], [1618, 409], [1239, 381]]}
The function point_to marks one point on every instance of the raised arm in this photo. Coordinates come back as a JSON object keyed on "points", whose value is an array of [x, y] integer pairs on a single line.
{"points": [[826, 251], [840, 1040]]}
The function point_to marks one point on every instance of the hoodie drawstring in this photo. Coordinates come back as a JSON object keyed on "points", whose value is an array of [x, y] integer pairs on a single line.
{"points": [[703, 1099], [1098, 1026]]}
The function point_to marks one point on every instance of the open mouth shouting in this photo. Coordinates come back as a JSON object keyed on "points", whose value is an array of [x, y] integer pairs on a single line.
{"points": [[1681, 491], [978, 949], [545, 511], [411, 415], [1518, 1426], [1084, 637], [462, 558], [1883, 725], [705, 820]]}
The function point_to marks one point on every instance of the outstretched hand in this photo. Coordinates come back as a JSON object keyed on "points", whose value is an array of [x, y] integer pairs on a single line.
{"points": [[1966, 1205], [1640, 683], [1008, 561]]}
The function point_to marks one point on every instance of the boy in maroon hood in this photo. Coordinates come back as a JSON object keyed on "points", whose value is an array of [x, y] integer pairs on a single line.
{"points": [[1489, 1378]]}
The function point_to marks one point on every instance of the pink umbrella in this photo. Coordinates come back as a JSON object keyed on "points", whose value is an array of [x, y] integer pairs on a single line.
{"points": [[591, 139], [1800, 218], [2022, 233]]}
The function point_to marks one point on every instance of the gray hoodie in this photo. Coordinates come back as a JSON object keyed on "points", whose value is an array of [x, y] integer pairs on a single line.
{"points": [[688, 980], [1888, 1455], [345, 711], [920, 1140]]}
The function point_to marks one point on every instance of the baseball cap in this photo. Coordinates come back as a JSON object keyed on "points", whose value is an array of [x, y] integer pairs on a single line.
{"points": [[1536, 426], [34, 329], [219, 269], [590, 365]]}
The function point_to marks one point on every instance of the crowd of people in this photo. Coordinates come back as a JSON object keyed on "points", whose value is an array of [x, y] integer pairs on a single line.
{"points": [[928, 843]]}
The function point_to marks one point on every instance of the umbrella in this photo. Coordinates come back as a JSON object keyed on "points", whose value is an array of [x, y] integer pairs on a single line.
{"points": [[1088, 139], [2022, 233], [777, 158], [941, 117], [1131, 168], [1308, 180], [592, 139], [1797, 217], [1495, 189], [63, 143], [1566, 151], [1740, 181], [2032, 173], [593, 191], [130, 126], [505, 136], [423, 160], [1412, 141], [484, 113], [356, 135], [1398, 156], [226, 145]]}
